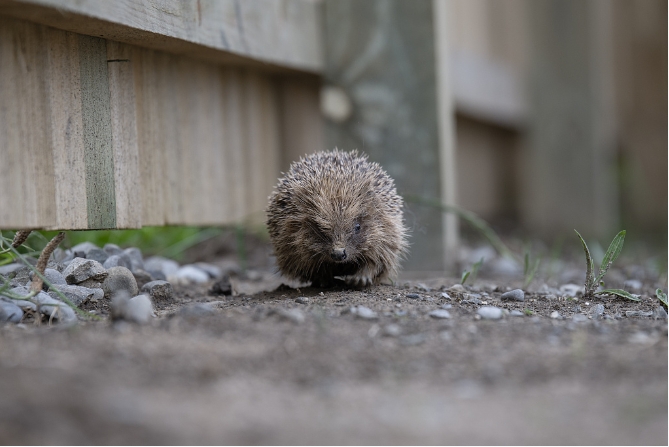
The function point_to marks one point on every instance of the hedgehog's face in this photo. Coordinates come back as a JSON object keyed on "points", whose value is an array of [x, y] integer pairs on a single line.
{"points": [[339, 231]]}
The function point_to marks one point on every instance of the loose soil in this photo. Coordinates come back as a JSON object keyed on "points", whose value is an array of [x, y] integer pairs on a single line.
{"points": [[241, 371]]}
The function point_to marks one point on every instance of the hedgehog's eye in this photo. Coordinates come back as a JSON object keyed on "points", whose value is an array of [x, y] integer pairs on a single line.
{"points": [[356, 228]]}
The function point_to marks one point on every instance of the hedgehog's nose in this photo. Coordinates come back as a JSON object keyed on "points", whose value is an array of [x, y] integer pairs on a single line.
{"points": [[338, 254]]}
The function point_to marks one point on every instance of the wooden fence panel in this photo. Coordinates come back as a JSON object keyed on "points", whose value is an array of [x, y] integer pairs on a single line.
{"points": [[99, 134]]}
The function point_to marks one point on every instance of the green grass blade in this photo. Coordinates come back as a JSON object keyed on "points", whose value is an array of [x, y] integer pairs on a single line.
{"points": [[661, 296], [529, 275], [465, 275], [618, 292], [611, 254], [590, 284], [469, 217]]}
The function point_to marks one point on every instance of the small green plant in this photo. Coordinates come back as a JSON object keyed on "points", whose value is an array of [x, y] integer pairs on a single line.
{"points": [[592, 281], [471, 273], [661, 296], [528, 312], [530, 269]]}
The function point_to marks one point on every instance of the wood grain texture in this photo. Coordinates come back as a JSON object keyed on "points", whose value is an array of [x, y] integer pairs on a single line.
{"points": [[301, 119], [234, 139], [265, 33], [153, 136], [26, 166], [67, 134], [124, 135], [98, 152], [101, 134]]}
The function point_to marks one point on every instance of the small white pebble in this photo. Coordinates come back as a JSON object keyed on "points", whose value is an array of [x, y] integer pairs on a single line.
{"points": [[587, 304]]}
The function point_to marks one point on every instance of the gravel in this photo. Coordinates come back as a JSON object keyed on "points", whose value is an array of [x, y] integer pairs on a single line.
{"points": [[364, 313], [118, 279], [490, 312], [514, 295], [77, 294], [10, 312], [159, 290], [81, 269], [440, 314]]}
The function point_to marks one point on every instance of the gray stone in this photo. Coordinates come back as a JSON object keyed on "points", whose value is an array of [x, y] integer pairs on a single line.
{"points": [[23, 291], [5, 270], [52, 307], [81, 269], [392, 330], [212, 270], [159, 290], [440, 314], [77, 294], [293, 315], [445, 296], [157, 274], [142, 277], [10, 312], [490, 312], [471, 299], [572, 290], [514, 295], [54, 277], [414, 296], [118, 279], [97, 254], [556, 315], [91, 284], [457, 288], [112, 249], [137, 310], [516, 313], [302, 300], [83, 249], [189, 274], [579, 318], [364, 312], [638, 313], [197, 310], [168, 266], [121, 260], [660, 313], [446, 306], [597, 311], [136, 259]]}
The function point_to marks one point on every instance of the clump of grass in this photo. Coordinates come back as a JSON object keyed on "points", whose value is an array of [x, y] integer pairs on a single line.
{"points": [[592, 281], [528, 312], [472, 272]]}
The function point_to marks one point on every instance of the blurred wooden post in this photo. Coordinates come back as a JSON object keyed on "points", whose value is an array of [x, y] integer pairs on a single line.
{"points": [[387, 58], [571, 158]]}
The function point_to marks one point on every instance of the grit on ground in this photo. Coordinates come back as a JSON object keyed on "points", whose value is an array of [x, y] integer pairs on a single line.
{"points": [[309, 366]]}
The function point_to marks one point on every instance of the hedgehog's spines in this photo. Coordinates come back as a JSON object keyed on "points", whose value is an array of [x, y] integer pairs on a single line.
{"points": [[314, 208]]}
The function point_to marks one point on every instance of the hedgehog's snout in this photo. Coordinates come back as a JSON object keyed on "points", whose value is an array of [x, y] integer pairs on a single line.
{"points": [[338, 253]]}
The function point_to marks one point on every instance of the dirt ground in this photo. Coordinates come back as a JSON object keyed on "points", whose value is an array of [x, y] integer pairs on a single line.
{"points": [[298, 366]]}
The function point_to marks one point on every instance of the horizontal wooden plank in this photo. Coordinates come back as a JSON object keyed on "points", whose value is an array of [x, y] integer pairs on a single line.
{"points": [[488, 90], [265, 33]]}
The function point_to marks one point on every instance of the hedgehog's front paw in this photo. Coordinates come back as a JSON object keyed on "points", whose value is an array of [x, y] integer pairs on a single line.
{"points": [[359, 282]]}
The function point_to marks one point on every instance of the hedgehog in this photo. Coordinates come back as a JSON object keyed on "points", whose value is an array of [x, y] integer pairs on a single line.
{"points": [[336, 216]]}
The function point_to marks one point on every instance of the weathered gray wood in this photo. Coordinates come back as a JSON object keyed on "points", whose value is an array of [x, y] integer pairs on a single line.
{"points": [[301, 120], [98, 151], [382, 53], [268, 33], [124, 136], [26, 164], [67, 134], [569, 179]]}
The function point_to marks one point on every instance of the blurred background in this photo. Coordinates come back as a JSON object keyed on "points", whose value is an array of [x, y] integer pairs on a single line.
{"points": [[539, 116]]}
